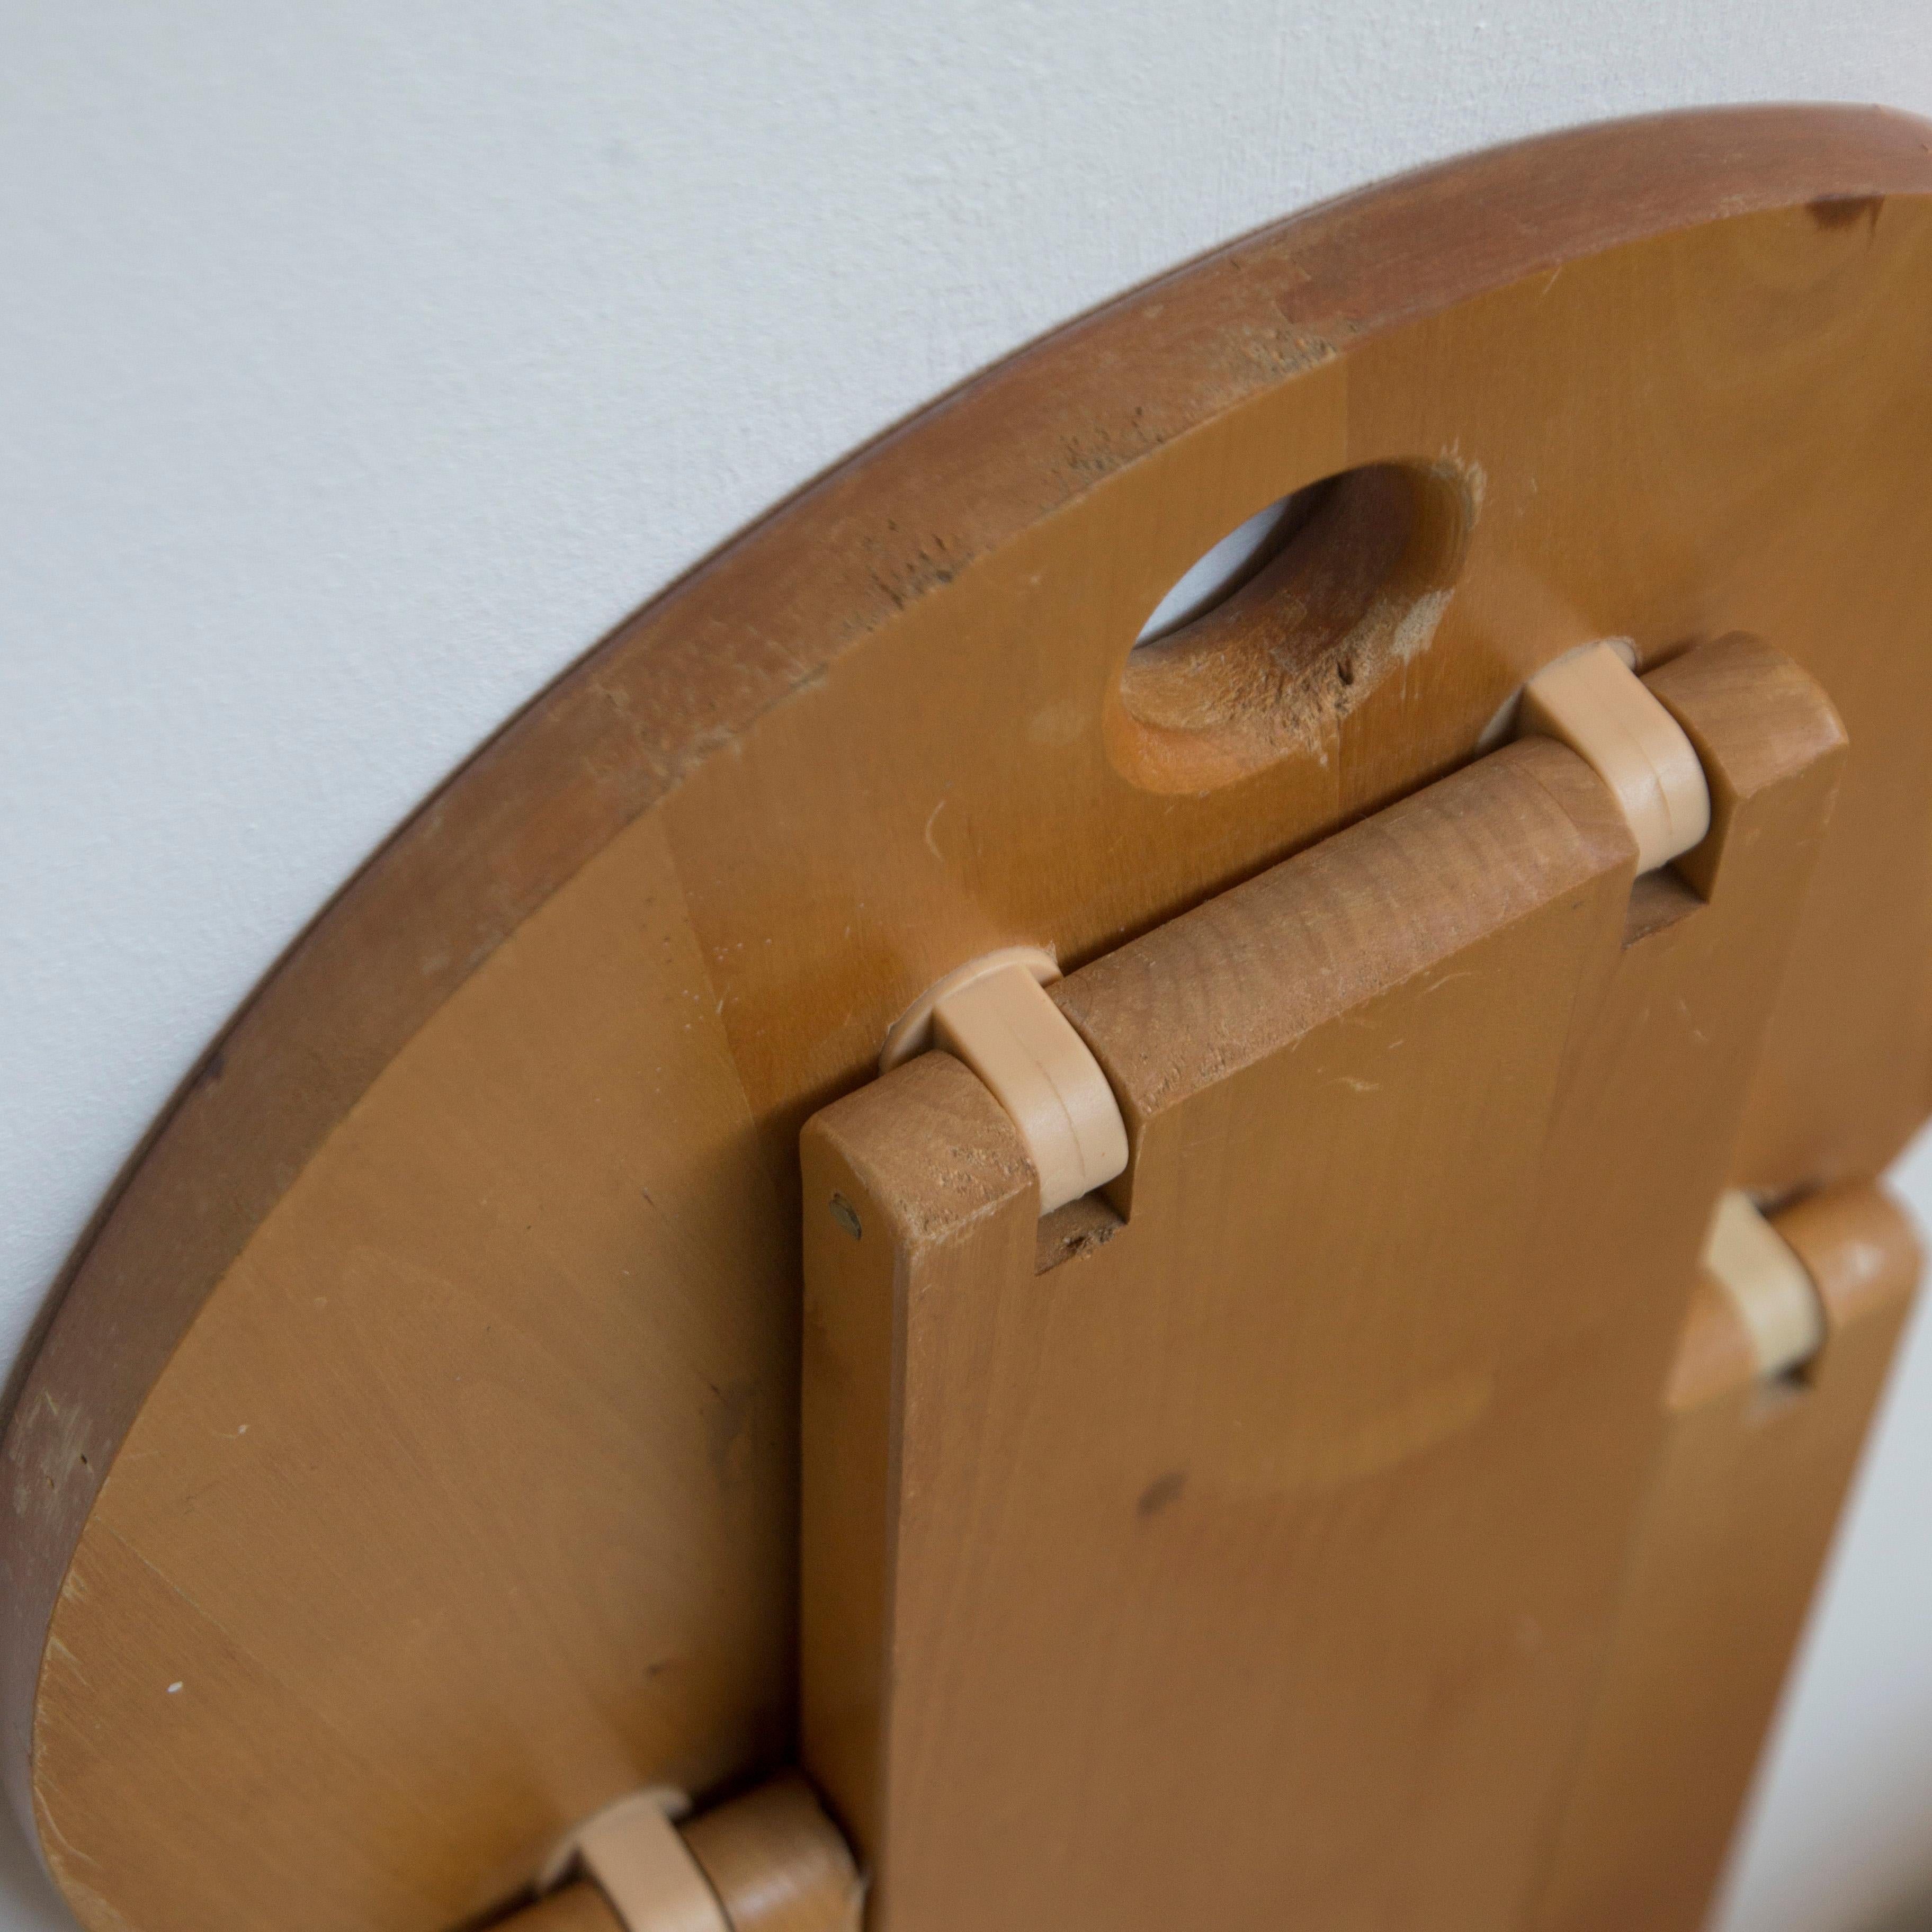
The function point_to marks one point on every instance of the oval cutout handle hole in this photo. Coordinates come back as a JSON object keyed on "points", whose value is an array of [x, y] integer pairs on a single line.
{"points": [[1224, 567], [1280, 629]]}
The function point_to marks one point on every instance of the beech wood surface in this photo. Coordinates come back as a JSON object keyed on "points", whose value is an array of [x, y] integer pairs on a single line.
{"points": [[1267, 1550], [580, 1907], [424, 1402], [1736, 1528], [777, 1862]]}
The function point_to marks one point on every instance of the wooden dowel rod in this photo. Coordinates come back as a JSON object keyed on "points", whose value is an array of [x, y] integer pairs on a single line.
{"points": [[775, 1861]]}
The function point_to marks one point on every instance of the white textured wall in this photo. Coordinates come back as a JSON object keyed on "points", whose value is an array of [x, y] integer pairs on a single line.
{"points": [[360, 363]]}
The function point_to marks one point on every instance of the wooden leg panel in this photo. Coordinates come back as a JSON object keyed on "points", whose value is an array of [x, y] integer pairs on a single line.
{"points": [[1262, 1557], [1741, 1513]]}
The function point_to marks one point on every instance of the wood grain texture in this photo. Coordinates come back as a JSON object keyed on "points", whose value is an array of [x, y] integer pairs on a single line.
{"points": [[1269, 1550], [576, 1908], [515, 1333], [777, 1862], [514, 1533], [1738, 1517]]}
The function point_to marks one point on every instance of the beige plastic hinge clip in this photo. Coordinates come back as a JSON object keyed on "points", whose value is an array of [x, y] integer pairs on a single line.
{"points": [[1770, 1288], [634, 1853], [1592, 700], [994, 1014]]}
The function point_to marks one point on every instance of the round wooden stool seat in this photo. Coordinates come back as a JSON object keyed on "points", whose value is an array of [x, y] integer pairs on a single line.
{"points": [[410, 1467]]}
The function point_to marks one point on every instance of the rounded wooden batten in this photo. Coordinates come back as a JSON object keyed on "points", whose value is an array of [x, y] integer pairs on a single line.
{"points": [[777, 1862], [421, 1413], [1858, 1250], [771, 1859], [577, 1907], [1858, 1245]]}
